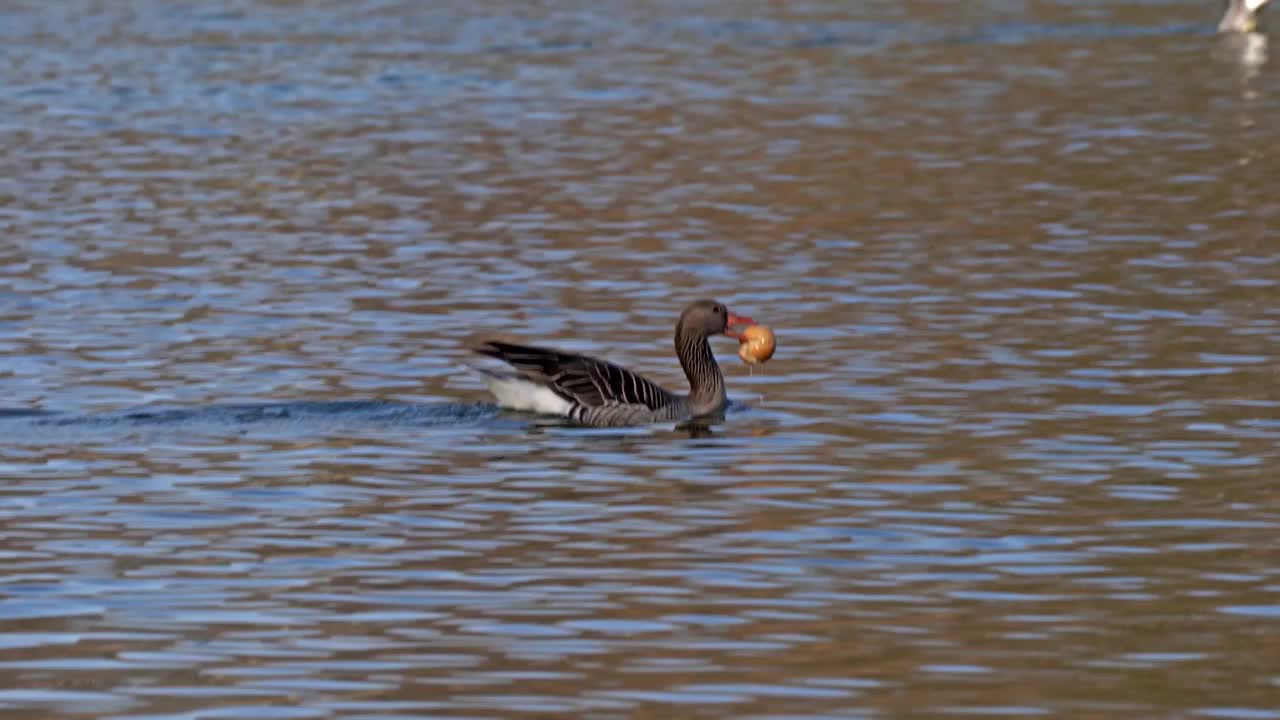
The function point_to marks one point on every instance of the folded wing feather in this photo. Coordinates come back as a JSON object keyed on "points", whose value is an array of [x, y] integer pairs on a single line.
{"points": [[585, 380]]}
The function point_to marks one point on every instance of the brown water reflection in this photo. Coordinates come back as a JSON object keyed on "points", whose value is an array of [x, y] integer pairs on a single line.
{"points": [[1014, 456]]}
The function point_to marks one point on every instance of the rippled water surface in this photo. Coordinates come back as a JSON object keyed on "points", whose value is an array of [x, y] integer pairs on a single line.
{"points": [[1016, 455]]}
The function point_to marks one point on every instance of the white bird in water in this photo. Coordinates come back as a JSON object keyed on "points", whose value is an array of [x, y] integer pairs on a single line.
{"points": [[1241, 16]]}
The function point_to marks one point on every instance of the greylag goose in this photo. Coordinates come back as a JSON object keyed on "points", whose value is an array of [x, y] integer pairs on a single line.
{"points": [[1241, 16], [601, 394]]}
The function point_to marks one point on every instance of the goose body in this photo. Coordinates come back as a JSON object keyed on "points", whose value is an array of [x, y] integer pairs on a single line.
{"points": [[594, 392]]}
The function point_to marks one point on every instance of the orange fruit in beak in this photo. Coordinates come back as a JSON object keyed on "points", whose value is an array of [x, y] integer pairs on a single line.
{"points": [[756, 345]]}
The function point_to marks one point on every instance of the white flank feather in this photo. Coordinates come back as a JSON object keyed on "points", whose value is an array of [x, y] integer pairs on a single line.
{"points": [[517, 393]]}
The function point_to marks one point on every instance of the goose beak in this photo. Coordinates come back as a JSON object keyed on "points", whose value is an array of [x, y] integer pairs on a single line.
{"points": [[736, 320]]}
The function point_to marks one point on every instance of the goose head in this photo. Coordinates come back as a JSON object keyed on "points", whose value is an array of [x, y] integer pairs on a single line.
{"points": [[710, 317]]}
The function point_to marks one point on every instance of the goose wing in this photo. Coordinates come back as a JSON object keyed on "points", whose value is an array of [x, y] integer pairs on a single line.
{"points": [[578, 378]]}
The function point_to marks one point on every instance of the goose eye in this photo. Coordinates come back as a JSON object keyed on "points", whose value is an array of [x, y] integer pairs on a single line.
{"points": [[718, 309]]}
